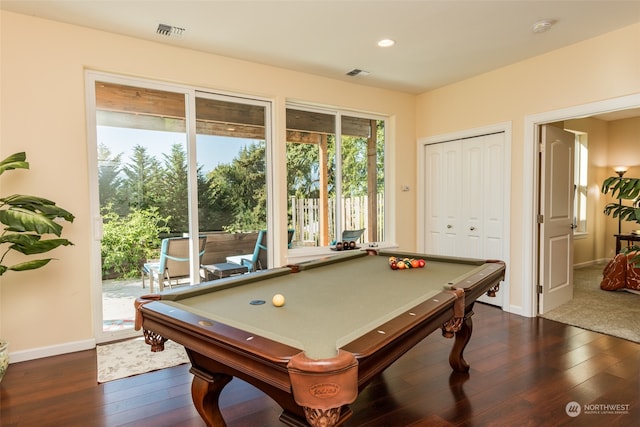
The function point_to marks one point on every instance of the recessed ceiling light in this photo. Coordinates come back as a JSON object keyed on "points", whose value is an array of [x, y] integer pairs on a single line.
{"points": [[386, 43], [543, 25]]}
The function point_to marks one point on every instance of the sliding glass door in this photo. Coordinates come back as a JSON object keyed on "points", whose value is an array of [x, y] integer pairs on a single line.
{"points": [[169, 162]]}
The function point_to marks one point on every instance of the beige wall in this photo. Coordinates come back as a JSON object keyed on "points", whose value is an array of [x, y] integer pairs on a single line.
{"points": [[599, 69], [43, 113]]}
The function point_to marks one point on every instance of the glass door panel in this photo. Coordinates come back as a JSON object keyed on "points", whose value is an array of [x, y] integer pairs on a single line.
{"points": [[362, 152], [311, 174], [232, 184], [142, 184]]}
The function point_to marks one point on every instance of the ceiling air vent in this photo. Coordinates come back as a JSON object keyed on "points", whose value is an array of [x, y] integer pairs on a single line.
{"points": [[357, 72], [168, 30]]}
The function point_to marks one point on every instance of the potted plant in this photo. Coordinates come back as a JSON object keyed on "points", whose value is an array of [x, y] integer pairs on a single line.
{"points": [[25, 221], [624, 189]]}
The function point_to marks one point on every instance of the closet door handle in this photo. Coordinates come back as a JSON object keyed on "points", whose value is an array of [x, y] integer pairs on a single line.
{"points": [[472, 228], [449, 226]]}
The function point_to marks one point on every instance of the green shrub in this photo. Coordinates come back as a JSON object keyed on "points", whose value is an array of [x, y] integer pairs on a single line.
{"points": [[129, 241]]}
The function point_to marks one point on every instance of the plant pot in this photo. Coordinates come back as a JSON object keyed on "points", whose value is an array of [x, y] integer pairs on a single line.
{"points": [[4, 358]]}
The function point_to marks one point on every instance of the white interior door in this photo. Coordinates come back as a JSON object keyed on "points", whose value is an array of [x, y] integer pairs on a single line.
{"points": [[556, 225]]}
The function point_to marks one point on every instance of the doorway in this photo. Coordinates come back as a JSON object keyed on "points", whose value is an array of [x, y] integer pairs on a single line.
{"points": [[531, 173]]}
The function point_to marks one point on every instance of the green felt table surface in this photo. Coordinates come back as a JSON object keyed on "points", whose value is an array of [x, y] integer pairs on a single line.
{"points": [[328, 306]]}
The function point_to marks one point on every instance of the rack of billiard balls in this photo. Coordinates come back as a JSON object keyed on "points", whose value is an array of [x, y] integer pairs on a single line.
{"points": [[346, 245], [405, 263]]}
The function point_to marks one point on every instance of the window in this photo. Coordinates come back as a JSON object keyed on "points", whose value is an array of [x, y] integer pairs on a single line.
{"points": [[581, 166], [335, 175]]}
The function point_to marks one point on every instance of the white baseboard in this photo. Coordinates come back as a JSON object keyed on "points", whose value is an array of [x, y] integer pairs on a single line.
{"points": [[590, 263], [54, 350], [518, 310]]}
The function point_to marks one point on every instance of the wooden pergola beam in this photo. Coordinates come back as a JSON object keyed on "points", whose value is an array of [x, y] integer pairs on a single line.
{"points": [[216, 116]]}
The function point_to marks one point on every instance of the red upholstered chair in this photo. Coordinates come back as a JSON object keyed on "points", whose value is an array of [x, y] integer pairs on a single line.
{"points": [[633, 274], [619, 274]]}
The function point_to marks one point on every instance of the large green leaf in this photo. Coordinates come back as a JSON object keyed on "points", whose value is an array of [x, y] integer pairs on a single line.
{"points": [[625, 213], [20, 238], [29, 265], [26, 219], [15, 161], [622, 188], [22, 220], [30, 244], [39, 205]]}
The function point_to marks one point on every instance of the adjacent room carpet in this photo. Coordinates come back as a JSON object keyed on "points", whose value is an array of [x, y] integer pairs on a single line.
{"points": [[132, 357], [613, 313]]}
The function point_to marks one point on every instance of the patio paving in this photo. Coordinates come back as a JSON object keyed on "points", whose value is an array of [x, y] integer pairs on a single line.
{"points": [[118, 297]]}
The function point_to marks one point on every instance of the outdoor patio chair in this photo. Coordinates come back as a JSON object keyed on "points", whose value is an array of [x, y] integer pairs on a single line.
{"points": [[352, 235], [349, 236], [173, 264], [258, 259]]}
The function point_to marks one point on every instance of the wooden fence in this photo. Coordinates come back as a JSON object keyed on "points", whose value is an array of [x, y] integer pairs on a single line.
{"points": [[305, 218]]}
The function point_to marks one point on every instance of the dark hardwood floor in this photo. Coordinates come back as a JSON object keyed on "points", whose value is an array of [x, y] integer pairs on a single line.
{"points": [[524, 372]]}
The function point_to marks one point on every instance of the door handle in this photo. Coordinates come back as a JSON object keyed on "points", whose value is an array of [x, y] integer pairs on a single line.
{"points": [[449, 226], [472, 228]]}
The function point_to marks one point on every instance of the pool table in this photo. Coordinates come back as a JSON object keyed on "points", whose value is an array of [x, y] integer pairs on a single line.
{"points": [[345, 319]]}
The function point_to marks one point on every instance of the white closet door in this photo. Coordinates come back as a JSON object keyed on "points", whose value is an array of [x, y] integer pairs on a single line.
{"points": [[472, 203], [494, 197], [465, 199], [451, 182], [432, 209], [443, 204]]}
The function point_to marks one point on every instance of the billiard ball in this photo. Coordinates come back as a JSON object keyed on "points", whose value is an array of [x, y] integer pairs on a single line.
{"points": [[422, 263], [352, 245], [339, 246], [278, 300]]}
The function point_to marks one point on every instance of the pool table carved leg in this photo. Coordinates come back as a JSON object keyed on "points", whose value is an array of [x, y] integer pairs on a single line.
{"points": [[463, 335], [493, 290], [322, 417], [205, 392], [156, 341]]}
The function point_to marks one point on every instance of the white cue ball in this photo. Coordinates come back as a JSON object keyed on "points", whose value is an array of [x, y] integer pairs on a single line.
{"points": [[278, 300]]}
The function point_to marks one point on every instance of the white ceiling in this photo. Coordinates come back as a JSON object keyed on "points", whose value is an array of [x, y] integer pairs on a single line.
{"points": [[438, 42]]}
